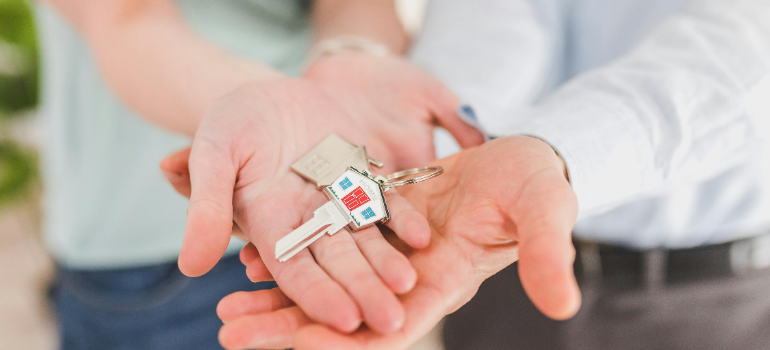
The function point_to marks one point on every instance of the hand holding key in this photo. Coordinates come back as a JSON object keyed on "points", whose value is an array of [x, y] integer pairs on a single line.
{"points": [[356, 198], [240, 164], [504, 201]]}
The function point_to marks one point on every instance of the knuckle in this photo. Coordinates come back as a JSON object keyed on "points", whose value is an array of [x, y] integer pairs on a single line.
{"points": [[210, 203], [336, 249], [223, 211], [367, 237], [365, 280]]}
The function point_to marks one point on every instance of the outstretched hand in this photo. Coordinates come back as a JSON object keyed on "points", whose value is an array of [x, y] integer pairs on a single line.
{"points": [[239, 169], [504, 201]]}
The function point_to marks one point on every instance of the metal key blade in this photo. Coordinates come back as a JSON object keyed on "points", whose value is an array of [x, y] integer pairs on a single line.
{"points": [[326, 219]]}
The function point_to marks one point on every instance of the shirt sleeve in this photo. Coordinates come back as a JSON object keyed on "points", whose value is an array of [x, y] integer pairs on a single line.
{"points": [[493, 54], [673, 110]]}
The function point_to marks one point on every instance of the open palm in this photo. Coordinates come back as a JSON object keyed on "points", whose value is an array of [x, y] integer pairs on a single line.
{"points": [[504, 201], [239, 169]]}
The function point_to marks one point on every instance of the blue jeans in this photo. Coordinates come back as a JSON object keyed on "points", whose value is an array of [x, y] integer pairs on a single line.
{"points": [[144, 308]]}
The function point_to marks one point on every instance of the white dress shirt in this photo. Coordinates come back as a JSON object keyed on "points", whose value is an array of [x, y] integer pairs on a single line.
{"points": [[659, 108]]}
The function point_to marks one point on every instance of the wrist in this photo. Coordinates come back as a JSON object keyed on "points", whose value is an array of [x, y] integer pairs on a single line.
{"points": [[345, 44], [557, 158], [248, 72], [236, 75], [541, 147]]}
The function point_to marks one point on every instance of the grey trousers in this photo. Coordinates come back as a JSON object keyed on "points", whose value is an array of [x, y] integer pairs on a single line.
{"points": [[720, 313]]}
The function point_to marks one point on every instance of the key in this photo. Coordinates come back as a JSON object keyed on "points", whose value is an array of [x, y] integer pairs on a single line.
{"points": [[356, 200], [330, 158]]}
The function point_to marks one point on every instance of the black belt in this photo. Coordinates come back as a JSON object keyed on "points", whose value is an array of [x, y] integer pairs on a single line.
{"points": [[631, 268]]}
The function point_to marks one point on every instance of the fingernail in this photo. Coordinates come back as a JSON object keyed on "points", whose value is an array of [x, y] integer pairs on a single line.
{"points": [[467, 112]]}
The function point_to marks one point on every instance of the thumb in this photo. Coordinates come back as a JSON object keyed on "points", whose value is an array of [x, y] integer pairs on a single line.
{"points": [[210, 214], [444, 105], [546, 212]]}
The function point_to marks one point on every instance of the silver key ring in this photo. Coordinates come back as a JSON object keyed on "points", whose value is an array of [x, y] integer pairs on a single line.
{"points": [[393, 180]]}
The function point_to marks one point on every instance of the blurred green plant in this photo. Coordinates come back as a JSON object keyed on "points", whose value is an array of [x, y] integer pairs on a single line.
{"points": [[17, 169], [18, 92], [18, 57]]}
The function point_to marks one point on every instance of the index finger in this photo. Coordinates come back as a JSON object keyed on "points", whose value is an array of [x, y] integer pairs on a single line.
{"points": [[176, 169]]}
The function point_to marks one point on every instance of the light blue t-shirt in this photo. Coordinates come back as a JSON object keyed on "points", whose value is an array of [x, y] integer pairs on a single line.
{"points": [[107, 203]]}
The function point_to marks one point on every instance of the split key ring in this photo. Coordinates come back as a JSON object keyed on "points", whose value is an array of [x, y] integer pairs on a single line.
{"points": [[400, 178]]}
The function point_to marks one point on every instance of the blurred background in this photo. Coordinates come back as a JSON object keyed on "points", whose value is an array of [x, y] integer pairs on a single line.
{"points": [[26, 270]]}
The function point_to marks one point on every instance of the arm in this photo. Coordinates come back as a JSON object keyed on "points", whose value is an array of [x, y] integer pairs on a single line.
{"points": [[250, 125], [240, 164], [155, 63], [375, 20], [673, 110], [169, 75], [389, 85]]}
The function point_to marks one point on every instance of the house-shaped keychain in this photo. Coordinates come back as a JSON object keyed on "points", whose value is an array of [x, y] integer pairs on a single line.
{"points": [[360, 196], [331, 157]]}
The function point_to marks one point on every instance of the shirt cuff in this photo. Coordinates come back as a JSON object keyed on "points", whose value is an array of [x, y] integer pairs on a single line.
{"points": [[604, 147]]}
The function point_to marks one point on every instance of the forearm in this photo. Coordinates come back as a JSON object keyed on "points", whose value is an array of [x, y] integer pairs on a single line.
{"points": [[672, 111], [372, 19], [154, 63]]}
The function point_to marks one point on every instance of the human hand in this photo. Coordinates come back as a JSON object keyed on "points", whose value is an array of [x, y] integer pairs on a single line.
{"points": [[504, 201], [240, 164], [392, 88]]}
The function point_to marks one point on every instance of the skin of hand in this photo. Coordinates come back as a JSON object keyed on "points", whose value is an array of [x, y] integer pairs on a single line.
{"points": [[505, 201], [366, 85], [170, 75], [239, 167]]}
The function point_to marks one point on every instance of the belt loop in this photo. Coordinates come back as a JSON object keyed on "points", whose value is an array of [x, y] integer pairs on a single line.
{"points": [[740, 256], [654, 264], [591, 261], [750, 254]]}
